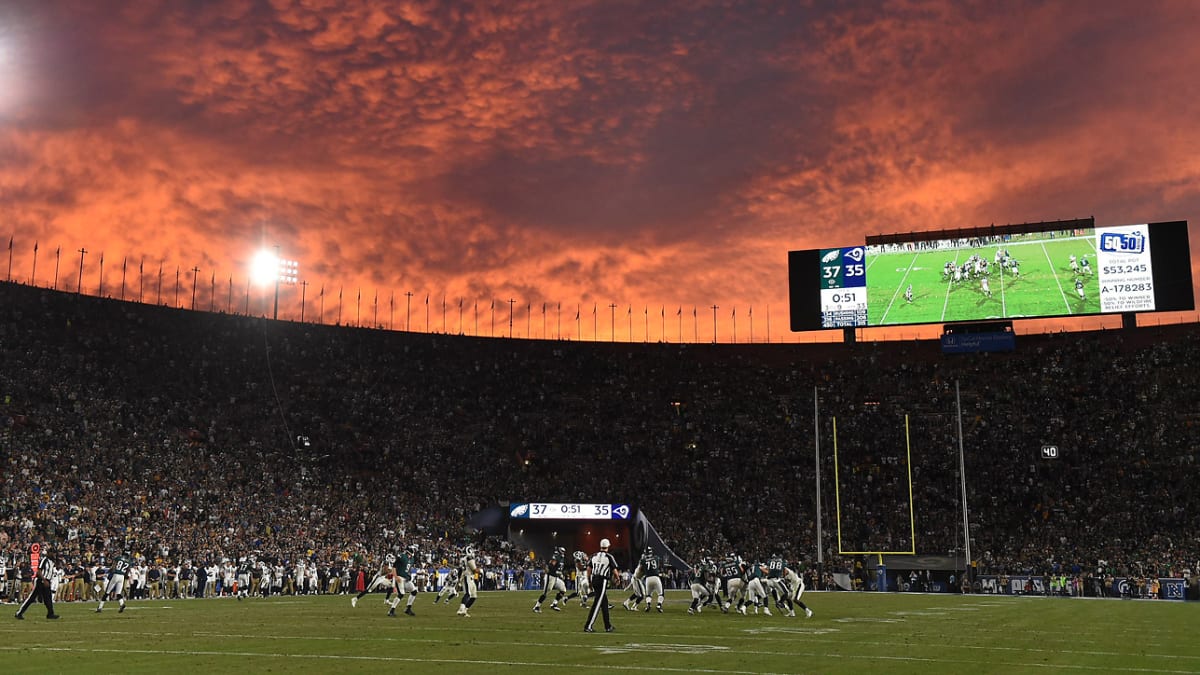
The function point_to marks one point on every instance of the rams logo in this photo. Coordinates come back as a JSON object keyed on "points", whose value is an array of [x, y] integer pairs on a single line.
{"points": [[855, 254], [622, 511], [519, 511]]}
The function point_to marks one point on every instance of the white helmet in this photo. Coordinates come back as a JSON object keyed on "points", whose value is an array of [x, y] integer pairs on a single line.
{"points": [[604, 544]]}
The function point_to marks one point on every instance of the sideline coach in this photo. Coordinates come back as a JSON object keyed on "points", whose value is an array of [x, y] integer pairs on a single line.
{"points": [[603, 568]]}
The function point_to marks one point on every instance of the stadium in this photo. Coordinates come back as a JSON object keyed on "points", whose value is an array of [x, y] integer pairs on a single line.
{"points": [[193, 440]]}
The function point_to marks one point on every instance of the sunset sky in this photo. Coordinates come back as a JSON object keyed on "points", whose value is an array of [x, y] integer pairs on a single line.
{"points": [[655, 155]]}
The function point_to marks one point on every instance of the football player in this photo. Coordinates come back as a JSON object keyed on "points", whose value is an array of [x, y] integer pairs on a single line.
{"points": [[449, 588], [403, 581], [384, 578], [583, 586], [552, 580], [697, 576], [116, 582], [793, 586], [467, 569], [1079, 289], [650, 569]]}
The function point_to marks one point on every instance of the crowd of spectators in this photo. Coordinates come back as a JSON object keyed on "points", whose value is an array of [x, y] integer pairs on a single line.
{"points": [[201, 436]]}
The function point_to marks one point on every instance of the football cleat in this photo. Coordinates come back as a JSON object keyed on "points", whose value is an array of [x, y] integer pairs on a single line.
{"points": [[353, 601], [660, 609], [767, 611], [606, 630], [807, 613], [586, 630], [555, 608], [690, 610], [408, 611], [537, 610]]}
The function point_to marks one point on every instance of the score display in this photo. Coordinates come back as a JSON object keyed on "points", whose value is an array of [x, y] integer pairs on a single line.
{"points": [[569, 511], [843, 287], [1033, 271]]}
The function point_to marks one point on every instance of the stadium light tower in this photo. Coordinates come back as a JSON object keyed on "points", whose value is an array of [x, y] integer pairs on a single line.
{"points": [[268, 267]]}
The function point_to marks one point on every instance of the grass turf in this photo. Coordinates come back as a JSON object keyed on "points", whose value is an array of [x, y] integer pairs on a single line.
{"points": [[1046, 286], [849, 633]]}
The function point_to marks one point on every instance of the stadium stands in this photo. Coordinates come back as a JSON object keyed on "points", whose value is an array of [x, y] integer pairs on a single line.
{"points": [[176, 432]]}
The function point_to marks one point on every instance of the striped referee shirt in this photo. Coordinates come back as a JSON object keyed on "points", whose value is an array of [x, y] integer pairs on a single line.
{"points": [[46, 568], [603, 564]]}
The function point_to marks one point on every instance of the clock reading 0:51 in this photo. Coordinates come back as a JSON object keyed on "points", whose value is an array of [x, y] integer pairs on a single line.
{"points": [[844, 296]]}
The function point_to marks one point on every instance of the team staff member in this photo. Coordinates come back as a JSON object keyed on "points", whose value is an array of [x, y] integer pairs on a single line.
{"points": [[41, 586], [603, 568]]}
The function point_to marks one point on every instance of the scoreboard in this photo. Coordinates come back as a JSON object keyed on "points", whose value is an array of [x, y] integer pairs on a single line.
{"points": [[1035, 270], [569, 511], [843, 287]]}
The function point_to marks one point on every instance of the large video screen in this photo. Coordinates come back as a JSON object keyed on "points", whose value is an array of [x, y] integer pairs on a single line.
{"points": [[1071, 272]]}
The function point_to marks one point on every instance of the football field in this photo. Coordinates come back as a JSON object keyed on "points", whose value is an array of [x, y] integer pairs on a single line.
{"points": [[1045, 287], [849, 633]]}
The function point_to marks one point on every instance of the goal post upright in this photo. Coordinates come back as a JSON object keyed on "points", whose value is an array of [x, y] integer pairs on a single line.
{"points": [[912, 518]]}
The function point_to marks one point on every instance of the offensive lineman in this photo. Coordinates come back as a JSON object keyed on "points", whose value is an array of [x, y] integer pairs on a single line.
{"points": [[697, 576], [650, 569]]}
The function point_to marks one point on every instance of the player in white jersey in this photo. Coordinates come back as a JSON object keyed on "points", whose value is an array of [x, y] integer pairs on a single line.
{"points": [[1074, 266], [264, 584], [384, 578], [450, 586], [583, 584], [983, 286], [908, 294], [468, 568], [794, 586]]}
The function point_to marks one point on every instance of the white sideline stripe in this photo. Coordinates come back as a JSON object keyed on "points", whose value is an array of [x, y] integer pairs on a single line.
{"points": [[559, 666], [398, 659]]}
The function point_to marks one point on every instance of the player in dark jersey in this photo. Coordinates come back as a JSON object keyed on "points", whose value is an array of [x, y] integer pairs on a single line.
{"points": [[698, 582], [650, 570], [116, 582], [553, 580], [404, 583]]}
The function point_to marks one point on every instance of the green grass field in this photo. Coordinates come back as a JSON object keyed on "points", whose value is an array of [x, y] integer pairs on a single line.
{"points": [[849, 633], [1046, 286]]}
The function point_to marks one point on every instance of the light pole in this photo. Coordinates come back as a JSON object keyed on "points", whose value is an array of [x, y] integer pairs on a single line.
{"points": [[268, 267]]}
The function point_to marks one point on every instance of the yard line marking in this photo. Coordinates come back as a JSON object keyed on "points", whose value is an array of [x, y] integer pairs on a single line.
{"points": [[949, 285], [1056, 281], [394, 659], [625, 667], [883, 318]]}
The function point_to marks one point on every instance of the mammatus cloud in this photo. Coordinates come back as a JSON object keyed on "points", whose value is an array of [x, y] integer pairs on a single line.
{"points": [[660, 158]]}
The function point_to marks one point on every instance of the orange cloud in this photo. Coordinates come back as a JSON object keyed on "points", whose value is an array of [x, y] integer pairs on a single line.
{"points": [[582, 154]]}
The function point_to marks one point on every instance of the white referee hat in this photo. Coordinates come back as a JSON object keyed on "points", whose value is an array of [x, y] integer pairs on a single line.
{"points": [[604, 543]]}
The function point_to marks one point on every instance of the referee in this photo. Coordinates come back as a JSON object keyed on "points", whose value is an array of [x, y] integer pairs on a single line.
{"points": [[603, 568], [41, 586]]}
